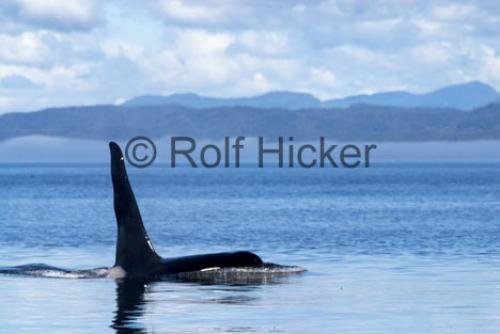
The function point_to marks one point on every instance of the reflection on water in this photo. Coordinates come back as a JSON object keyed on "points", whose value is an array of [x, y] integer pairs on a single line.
{"points": [[358, 294], [131, 301], [130, 304], [231, 286]]}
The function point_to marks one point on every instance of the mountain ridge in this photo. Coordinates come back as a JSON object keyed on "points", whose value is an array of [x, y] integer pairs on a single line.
{"points": [[464, 96], [273, 99], [357, 123], [267, 115]]}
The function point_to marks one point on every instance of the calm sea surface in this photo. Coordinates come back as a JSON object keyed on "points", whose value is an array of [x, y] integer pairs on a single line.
{"points": [[396, 248]]}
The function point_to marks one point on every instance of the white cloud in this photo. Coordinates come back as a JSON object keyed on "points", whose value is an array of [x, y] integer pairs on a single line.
{"points": [[485, 64], [227, 48], [427, 27], [200, 42], [260, 82], [453, 11], [434, 54], [378, 27], [271, 43], [331, 7], [183, 11], [119, 48], [4, 102], [57, 14], [26, 48], [323, 76], [193, 59], [17, 82], [77, 10]]}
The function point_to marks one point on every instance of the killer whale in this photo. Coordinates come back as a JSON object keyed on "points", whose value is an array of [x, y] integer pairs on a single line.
{"points": [[137, 259], [135, 254]]}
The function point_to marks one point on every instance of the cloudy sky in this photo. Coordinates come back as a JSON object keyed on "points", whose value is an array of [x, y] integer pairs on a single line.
{"points": [[59, 52]]}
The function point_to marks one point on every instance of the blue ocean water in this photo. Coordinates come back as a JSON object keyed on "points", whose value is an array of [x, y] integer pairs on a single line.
{"points": [[398, 247]]}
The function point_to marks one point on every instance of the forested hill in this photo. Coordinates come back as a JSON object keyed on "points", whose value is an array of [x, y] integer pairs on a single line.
{"points": [[359, 122]]}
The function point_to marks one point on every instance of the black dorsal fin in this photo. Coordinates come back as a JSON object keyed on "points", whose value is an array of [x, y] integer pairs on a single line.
{"points": [[134, 250]]}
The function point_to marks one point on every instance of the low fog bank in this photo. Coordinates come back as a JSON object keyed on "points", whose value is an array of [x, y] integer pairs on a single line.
{"points": [[37, 149]]}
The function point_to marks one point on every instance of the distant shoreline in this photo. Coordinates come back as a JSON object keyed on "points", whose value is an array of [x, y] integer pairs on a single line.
{"points": [[45, 149]]}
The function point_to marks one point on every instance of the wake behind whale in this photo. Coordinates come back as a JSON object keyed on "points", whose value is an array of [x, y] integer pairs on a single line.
{"points": [[136, 258], [267, 273]]}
